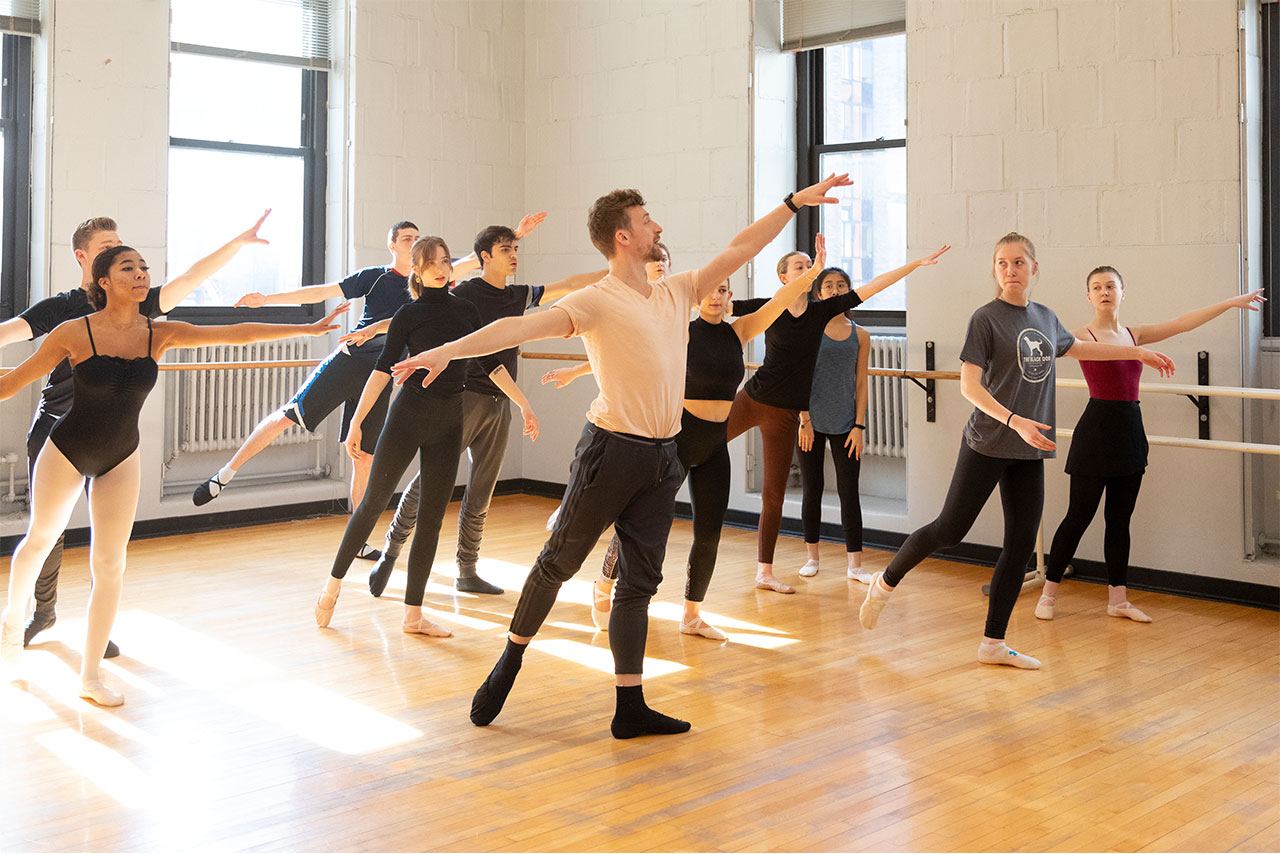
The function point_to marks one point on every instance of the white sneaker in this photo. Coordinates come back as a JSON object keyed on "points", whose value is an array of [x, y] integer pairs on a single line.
{"points": [[876, 599], [1044, 608], [810, 569]]}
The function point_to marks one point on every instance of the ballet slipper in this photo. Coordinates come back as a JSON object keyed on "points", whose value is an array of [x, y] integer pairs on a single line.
{"points": [[858, 574], [701, 628], [768, 582], [96, 692], [1127, 611], [600, 616], [1044, 608], [423, 626], [1001, 654], [10, 639], [326, 603], [877, 597], [810, 568]]}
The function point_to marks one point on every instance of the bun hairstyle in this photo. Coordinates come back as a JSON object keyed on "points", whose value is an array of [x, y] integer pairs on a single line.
{"points": [[102, 270], [1011, 237], [782, 262], [420, 255], [1105, 268]]}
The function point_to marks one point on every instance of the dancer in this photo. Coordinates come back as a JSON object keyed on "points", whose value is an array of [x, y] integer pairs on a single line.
{"points": [[1109, 446], [625, 469], [114, 353], [90, 237], [486, 413], [714, 370], [425, 420], [1008, 368], [837, 415], [776, 398]]}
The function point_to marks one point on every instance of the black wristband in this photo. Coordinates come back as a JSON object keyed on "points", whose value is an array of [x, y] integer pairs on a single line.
{"points": [[787, 201], [1007, 420], [862, 427]]}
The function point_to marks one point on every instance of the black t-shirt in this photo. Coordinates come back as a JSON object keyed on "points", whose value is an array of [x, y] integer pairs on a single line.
{"points": [[384, 290], [45, 316], [791, 349], [714, 369], [437, 317], [494, 304]]}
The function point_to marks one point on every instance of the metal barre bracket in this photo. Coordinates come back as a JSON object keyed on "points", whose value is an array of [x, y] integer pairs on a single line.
{"points": [[929, 386], [1201, 401]]}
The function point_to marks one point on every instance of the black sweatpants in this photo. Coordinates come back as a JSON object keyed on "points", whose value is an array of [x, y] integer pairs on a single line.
{"points": [[47, 581], [1086, 493], [431, 429], [615, 479], [812, 464], [704, 454], [1022, 496]]}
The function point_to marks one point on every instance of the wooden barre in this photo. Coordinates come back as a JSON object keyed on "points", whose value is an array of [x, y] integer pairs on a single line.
{"points": [[1203, 444]]}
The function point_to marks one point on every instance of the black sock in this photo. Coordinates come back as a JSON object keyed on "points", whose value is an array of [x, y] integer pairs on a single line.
{"points": [[489, 697], [381, 573], [469, 582], [634, 718]]}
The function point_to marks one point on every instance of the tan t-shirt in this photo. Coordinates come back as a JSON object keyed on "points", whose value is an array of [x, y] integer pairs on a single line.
{"points": [[637, 348]]}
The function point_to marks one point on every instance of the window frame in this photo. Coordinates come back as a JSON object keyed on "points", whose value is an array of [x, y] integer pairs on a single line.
{"points": [[1270, 152], [810, 146], [15, 120], [313, 150]]}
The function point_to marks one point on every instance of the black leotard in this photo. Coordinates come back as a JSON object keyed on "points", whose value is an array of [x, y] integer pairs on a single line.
{"points": [[101, 430], [714, 369]]}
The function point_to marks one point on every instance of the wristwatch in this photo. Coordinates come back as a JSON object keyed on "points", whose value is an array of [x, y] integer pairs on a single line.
{"points": [[787, 201]]}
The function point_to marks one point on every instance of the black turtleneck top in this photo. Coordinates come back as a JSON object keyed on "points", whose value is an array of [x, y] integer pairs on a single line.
{"points": [[437, 317]]}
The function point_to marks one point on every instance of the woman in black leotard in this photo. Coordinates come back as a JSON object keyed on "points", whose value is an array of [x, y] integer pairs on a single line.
{"points": [[114, 354], [713, 372]]}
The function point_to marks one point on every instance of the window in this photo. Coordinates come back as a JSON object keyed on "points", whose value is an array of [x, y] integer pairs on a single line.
{"points": [[851, 117], [247, 131], [1271, 167], [15, 152]]}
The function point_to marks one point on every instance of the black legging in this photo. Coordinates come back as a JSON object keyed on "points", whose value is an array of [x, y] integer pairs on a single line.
{"points": [[812, 465], [1022, 495], [431, 428], [704, 453], [1086, 492]]}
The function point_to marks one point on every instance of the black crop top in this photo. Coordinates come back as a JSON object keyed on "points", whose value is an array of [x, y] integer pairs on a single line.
{"points": [[714, 369], [437, 317], [791, 347]]}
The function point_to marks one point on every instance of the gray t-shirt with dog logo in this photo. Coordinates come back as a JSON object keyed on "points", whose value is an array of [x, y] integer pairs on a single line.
{"points": [[1016, 347]]}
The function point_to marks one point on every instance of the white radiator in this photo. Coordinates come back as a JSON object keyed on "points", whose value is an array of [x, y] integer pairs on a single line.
{"points": [[217, 410], [886, 399]]}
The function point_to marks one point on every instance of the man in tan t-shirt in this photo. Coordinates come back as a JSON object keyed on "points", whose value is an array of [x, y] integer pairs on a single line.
{"points": [[625, 471]]}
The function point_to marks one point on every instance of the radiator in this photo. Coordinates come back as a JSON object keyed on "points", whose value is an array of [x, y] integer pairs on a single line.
{"points": [[217, 410], [886, 400]]}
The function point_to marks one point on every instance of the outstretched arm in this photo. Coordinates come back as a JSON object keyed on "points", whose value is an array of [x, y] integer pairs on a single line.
{"points": [[360, 336], [750, 325], [298, 296], [177, 334], [499, 335], [176, 290], [1092, 351], [561, 377], [13, 330], [760, 233], [569, 284], [1150, 333], [884, 280], [55, 347], [502, 379]]}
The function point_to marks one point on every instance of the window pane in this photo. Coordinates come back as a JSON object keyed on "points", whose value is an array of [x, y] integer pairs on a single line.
{"points": [[865, 90], [282, 27], [216, 194], [868, 236], [229, 100]]}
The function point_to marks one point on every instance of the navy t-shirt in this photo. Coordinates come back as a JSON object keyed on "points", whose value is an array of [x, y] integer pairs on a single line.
{"points": [[494, 304], [44, 317], [384, 291]]}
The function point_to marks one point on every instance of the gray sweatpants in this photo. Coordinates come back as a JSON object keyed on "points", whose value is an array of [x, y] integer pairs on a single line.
{"points": [[486, 422]]}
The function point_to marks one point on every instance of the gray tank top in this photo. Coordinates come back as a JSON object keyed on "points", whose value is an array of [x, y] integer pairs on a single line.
{"points": [[833, 400]]}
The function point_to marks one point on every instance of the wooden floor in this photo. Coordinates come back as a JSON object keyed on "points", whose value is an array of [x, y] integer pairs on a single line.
{"points": [[247, 727]]}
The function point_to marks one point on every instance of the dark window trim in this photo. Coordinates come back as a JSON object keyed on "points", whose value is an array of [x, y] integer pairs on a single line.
{"points": [[1271, 167], [15, 231], [810, 146], [313, 114]]}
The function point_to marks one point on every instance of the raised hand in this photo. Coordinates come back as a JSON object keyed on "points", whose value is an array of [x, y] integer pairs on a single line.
{"points": [[326, 324], [1251, 301], [817, 193], [1030, 432], [251, 236], [933, 259], [1159, 361], [820, 251], [528, 223]]}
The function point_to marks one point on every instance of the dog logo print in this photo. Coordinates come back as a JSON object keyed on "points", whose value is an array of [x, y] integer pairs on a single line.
{"points": [[1035, 355]]}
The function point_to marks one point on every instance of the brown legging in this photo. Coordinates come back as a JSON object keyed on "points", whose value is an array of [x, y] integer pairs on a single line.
{"points": [[779, 430]]}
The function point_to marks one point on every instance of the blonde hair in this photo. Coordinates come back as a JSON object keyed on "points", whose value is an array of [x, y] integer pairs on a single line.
{"points": [[1011, 237], [420, 255], [782, 262]]}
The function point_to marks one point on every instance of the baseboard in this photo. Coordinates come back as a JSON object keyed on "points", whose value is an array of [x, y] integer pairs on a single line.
{"points": [[1140, 578]]}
